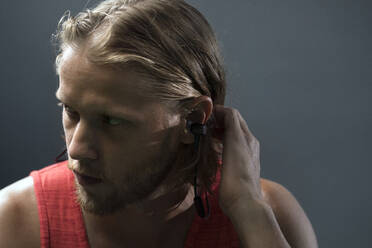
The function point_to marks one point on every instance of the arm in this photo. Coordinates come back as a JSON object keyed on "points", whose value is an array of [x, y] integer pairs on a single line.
{"points": [[257, 227], [292, 219], [277, 221], [19, 223]]}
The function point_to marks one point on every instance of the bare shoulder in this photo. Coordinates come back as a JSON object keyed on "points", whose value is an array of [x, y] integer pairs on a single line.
{"points": [[291, 218], [19, 221]]}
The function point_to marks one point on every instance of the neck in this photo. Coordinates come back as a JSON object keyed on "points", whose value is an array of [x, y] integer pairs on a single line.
{"points": [[160, 214]]}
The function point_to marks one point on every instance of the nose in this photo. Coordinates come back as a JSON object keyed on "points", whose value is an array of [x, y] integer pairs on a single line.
{"points": [[82, 143]]}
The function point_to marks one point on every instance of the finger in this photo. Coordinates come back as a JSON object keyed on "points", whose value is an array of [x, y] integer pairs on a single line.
{"points": [[228, 119], [244, 126]]}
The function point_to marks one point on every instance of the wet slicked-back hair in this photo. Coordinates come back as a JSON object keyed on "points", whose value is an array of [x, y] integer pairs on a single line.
{"points": [[175, 48]]}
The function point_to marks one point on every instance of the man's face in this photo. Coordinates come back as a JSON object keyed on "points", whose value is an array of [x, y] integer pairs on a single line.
{"points": [[114, 134]]}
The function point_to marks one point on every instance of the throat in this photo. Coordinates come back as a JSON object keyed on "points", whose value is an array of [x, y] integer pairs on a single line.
{"points": [[143, 227]]}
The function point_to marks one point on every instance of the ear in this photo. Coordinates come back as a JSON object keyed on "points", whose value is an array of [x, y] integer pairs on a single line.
{"points": [[198, 111]]}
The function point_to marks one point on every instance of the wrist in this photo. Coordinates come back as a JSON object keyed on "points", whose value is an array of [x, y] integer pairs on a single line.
{"points": [[256, 225], [246, 206]]}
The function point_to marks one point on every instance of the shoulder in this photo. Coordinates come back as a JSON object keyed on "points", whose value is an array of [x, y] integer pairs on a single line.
{"points": [[19, 221], [289, 214]]}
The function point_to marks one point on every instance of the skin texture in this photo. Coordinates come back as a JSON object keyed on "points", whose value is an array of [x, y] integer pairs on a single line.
{"points": [[133, 154], [133, 158], [114, 134]]}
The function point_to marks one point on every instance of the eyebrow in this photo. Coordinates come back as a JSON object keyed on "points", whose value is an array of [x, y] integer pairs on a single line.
{"points": [[113, 111]]}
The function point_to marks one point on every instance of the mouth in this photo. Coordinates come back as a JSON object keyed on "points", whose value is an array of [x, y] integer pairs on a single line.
{"points": [[86, 180]]}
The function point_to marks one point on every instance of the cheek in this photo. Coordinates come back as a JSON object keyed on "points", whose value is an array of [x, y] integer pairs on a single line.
{"points": [[123, 158], [124, 147], [131, 151]]}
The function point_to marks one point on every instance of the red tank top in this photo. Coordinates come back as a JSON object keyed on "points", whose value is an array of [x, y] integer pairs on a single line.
{"points": [[62, 224]]}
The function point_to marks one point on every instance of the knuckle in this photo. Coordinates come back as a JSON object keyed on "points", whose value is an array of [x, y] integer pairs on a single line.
{"points": [[255, 141], [235, 112], [230, 113], [229, 110]]}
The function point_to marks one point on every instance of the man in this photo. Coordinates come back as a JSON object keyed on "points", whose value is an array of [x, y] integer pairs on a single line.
{"points": [[154, 158]]}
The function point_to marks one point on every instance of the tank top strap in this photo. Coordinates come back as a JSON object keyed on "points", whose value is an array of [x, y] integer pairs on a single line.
{"points": [[61, 220]]}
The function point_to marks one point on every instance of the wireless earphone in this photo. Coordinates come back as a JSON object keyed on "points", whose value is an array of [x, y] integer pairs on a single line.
{"points": [[197, 130]]}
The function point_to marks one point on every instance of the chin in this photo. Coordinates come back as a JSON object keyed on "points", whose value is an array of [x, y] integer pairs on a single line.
{"points": [[108, 201]]}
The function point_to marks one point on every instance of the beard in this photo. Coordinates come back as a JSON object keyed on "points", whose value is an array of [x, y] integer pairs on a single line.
{"points": [[133, 188]]}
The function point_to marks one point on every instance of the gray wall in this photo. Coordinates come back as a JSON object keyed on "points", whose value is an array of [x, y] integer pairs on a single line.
{"points": [[299, 71]]}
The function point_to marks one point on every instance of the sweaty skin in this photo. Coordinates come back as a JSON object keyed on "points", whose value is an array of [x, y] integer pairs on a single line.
{"points": [[99, 104]]}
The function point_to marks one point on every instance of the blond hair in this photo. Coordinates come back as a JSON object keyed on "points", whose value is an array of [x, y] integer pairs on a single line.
{"points": [[171, 42]]}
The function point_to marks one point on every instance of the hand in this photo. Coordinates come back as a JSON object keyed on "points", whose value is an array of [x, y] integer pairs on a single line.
{"points": [[240, 174]]}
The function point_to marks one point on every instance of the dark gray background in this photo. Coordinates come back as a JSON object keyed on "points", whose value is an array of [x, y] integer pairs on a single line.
{"points": [[299, 71]]}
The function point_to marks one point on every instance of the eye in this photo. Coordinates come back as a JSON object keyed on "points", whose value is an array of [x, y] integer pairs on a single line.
{"points": [[69, 111], [113, 121]]}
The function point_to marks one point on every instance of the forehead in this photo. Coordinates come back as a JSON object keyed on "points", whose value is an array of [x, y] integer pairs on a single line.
{"points": [[77, 74], [83, 84]]}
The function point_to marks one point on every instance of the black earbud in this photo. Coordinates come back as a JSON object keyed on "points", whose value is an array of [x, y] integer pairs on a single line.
{"points": [[197, 130]]}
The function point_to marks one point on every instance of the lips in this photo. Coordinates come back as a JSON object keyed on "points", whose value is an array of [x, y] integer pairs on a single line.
{"points": [[86, 180]]}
